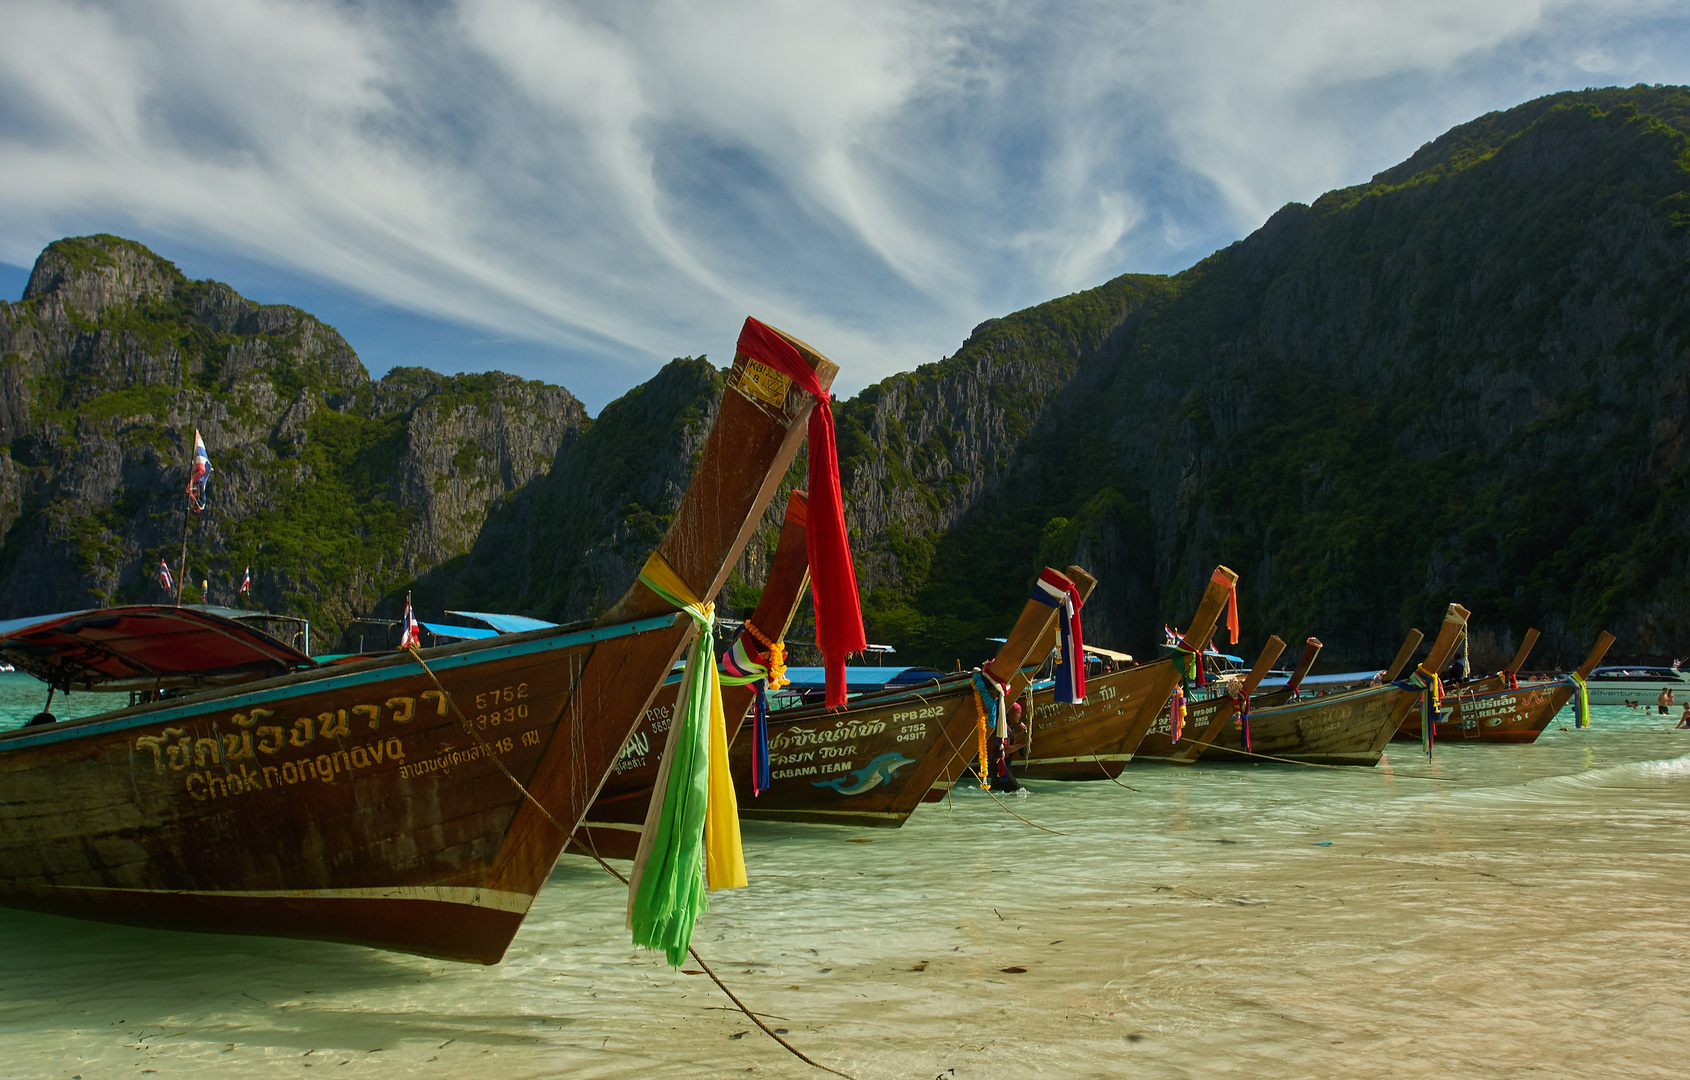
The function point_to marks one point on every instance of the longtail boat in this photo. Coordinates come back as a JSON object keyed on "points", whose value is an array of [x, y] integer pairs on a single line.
{"points": [[873, 762], [1502, 709], [1219, 730], [1351, 727], [611, 828], [374, 802], [1207, 720], [1095, 739]]}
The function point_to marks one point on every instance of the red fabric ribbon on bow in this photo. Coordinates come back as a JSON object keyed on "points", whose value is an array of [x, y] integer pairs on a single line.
{"points": [[833, 577]]}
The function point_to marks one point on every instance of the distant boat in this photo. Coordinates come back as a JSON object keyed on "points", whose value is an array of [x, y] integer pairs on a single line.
{"points": [[1620, 683], [1346, 727], [876, 760], [270, 794]]}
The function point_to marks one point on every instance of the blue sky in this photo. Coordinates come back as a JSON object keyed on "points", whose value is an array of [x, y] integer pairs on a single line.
{"points": [[577, 192]]}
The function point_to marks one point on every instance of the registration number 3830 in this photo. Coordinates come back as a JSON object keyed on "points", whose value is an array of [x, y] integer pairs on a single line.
{"points": [[505, 705]]}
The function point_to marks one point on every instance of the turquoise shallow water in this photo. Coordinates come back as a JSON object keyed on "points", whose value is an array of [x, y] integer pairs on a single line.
{"points": [[1496, 912], [21, 697]]}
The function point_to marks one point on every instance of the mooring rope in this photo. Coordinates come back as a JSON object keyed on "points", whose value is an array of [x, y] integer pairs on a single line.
{"points": [[1391, 771], [569, 834], [955, 751]]}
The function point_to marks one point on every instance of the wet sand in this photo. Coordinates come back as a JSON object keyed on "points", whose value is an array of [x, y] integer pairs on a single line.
{"points": [[1524, 913]]}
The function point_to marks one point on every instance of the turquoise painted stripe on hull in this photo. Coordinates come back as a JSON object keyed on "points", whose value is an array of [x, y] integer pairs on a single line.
{"points": [[316, 682]]}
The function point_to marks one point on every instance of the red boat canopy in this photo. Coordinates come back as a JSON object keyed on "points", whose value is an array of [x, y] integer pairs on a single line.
{"points": [[144, 647]]}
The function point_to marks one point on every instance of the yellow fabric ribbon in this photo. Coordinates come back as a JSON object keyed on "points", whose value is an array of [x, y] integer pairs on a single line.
{"points": [[724, 856], [1581, 707]]}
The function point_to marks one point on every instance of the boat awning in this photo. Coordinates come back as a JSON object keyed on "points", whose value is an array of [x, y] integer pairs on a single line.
{"points": [[1337, 678], [1111, 654], [862, 678], [1211, 651], [506, 624], [444, 630], [144, 647]]}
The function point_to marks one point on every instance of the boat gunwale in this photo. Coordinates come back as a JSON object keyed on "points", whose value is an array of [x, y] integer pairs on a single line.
{"points": [[1327, 699], [335, 676]]}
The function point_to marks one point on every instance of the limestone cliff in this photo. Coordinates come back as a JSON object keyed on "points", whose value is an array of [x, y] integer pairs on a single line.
{"points": [[334, 488], [1468, 379]]}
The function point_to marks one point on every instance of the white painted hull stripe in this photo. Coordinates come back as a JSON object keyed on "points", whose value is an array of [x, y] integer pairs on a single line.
{"points": [[493, 899]]}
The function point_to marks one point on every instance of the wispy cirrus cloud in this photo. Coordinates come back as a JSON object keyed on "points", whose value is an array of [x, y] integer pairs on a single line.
{"points": [[624, 182]]}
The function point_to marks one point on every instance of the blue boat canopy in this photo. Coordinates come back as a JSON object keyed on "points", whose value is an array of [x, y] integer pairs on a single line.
{"points": [[1337, 678], [862, 678], [447, 631], [506, 624]]}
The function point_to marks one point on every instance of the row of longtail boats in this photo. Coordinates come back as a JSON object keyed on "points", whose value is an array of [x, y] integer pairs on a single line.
{"points": [[417, 800]]}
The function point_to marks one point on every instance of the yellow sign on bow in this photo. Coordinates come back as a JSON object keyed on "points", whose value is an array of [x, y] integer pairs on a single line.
{"points": [[764, 383]]}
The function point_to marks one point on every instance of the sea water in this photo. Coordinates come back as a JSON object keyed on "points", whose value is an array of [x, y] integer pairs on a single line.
{"points": [[1495, 911]]}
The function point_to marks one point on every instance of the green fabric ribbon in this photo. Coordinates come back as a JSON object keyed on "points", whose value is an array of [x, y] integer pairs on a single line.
{"points": [[1581, 701], [666, 891]]}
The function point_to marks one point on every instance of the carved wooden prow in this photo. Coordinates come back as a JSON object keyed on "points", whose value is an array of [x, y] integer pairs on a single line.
{"points": [[1037, 618], [1404, 654], [783, 589], [1085, 583], [789, 571], [1455, 622], [1311, 649], [744, 461], [1193, 749], [1603, 641], [1526, 644], [1221, 584]]}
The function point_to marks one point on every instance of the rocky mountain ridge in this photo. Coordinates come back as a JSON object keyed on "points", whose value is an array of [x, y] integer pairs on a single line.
{"points": [[1467, 379], [335, 489]]}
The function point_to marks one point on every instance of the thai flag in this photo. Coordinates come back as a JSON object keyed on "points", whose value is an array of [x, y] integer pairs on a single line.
{"points": [[246, 582], [200, 474], [164, 577], [1059, 592], [411, 634]]}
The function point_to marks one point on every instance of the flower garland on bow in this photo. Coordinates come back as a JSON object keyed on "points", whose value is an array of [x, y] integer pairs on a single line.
{"points": [[989, 715], [1241, 713]]}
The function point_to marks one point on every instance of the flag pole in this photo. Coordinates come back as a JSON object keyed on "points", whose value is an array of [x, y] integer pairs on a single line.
{"points": [[182, 574]]}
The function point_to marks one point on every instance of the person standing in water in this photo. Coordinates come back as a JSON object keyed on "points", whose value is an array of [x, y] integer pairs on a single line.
{"points": [[1665, 699], [1684, 717]]}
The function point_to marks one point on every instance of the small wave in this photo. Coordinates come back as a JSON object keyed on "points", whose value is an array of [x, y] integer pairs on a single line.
{"points": [[1661, 774]]}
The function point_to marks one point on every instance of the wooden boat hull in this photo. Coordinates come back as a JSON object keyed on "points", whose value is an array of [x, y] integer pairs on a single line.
{"points": [[346, 804], [1501, 715], [611, 828], [1349, 728], [1094, 740], [1158, 743], [869, 765]]}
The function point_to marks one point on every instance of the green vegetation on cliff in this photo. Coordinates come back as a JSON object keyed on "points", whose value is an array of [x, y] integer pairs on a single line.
{"points": [[1465, 380]]}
